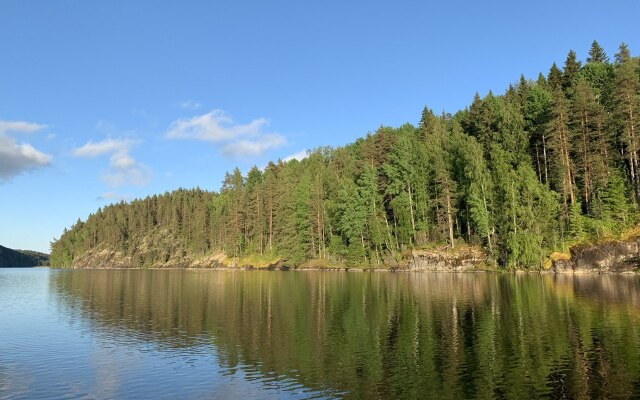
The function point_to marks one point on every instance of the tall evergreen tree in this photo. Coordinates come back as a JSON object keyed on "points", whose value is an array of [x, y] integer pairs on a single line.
{"points": [[570, 72], [597, 54], [559, 141], [555, 77], [627, 107]]}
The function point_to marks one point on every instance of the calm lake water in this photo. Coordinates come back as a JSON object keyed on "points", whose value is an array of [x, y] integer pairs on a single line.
{"points": [[223, 334]]}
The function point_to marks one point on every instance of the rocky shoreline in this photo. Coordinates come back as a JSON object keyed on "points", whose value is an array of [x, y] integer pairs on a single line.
{"points": [[462, 259], [612, 256]]}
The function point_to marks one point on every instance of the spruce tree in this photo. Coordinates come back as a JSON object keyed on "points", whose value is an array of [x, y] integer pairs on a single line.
{"points": [[597, 54], [555, 77], [570, 72]]}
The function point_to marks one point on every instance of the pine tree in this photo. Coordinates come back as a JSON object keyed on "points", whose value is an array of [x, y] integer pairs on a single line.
{"points": [[536, 113], [555, 77], [270, 195], [442, 186], [475, 185], [559, 143], [232, 187], [402, 176], [615, 201], [428, 123], [575, 224], [623, 55], [597, 54], [570, 72], [254, 212], [627, 96], [376, 224], [351, 213], [583, 114]]}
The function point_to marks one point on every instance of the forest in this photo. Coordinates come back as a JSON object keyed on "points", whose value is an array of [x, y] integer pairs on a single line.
{"points": [[552, 162], [10, 258]]}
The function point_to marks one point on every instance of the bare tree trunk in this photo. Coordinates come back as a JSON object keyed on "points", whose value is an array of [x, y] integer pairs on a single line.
{"points": [[486, 210], [566, 161], [585, 158], [546, 163], [450, 219], [633, 149], [259, 222], [413, 222], [271, 225]]}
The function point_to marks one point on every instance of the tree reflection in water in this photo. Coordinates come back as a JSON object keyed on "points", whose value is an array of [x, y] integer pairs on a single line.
{"points": [[383, 335]]}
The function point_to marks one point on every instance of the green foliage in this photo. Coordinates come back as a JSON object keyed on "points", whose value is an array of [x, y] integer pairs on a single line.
{"points": [[21, 258], [616, 201], [597, 54], [549, 163], [575, 228]]}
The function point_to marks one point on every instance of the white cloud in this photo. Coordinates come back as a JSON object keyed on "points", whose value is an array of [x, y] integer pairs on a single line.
{"points": [[235, 139], [301, 155], [248, 147], [214, 126], [122, 161], [123, 169], [16, 158], [20, 127], [106, 146]]}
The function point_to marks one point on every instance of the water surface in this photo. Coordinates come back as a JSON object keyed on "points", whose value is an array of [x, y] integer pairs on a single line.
{"points": [[250, 334]]}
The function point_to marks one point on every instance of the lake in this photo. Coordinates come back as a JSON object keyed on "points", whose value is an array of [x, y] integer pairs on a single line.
{"points": [[292, 335]]}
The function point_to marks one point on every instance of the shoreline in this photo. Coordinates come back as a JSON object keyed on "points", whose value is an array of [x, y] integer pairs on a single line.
{"points": [[361, 270]]}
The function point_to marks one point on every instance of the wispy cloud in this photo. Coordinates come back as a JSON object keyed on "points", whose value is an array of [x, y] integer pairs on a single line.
{"points": [[19, 127], [116, 146], [123, 169], [247, 147], [301, 155], [189, 105], [214, 126], [234, 139], [113, 196], [16, 158]]}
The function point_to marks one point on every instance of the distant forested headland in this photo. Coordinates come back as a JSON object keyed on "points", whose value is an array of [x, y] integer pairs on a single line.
{"points": [[10, 258], [551, 162]]}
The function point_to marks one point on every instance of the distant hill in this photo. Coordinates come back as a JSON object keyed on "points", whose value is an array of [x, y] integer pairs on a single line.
{"points": [[22, 258]]}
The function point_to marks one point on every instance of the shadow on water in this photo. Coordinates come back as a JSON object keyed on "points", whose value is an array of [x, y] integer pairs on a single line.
{"points": [[381, 335]]}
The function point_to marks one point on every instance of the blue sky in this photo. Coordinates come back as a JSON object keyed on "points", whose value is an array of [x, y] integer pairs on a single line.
{"points": [[107, 100]]}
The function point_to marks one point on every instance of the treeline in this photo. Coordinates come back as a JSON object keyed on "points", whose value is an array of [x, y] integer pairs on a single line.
{"points": [[550, 162], [22, 258]]}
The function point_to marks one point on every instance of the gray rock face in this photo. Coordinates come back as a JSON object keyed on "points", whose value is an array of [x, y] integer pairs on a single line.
{"points": [[610, 256], [613, 256], [466, 260], [563, 266]]}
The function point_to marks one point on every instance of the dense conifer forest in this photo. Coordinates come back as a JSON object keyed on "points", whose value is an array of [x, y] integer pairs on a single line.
{"points": [[551, 162], [10, 258]]}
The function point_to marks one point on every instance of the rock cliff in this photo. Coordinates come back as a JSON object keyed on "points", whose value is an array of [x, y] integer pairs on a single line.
{"points": [[467, 258], [608, 256]]}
